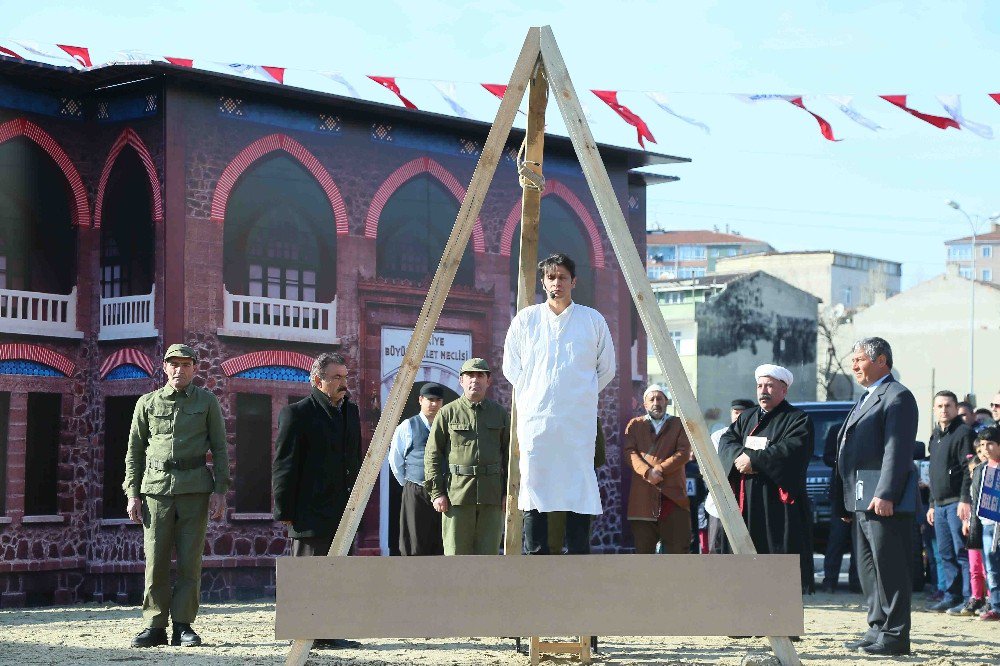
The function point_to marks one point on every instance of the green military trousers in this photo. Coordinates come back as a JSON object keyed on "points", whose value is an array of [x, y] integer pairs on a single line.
{"points": [[472, 529], [171, 521]]}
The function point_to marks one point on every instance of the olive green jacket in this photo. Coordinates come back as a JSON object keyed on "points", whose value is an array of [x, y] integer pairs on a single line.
{"points": [[466, 454], [171, 433]]}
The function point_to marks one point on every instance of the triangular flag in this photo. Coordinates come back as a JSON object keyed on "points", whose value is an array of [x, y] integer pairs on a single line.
{"points": [[661, 101], [824, 127], [78, 53], [497, 89], [276, 73], [447, 91], [844, 103], [180, 62], [762, 97], [953, 105], [338, 77], [938, 121], [8, 52], [996, 97], [389, 83], [610, 97]]}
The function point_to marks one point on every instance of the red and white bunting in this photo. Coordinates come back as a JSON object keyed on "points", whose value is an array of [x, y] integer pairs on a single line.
{"points": [[953, 105], [661, 101], [389, 83], [824, 127], [995, 97], [447, 91], [846, 105], [180, 62], [938, 121], [610, 97], [339, 78], [276, 73], [497, 89], [81, 54], [9, 53]]}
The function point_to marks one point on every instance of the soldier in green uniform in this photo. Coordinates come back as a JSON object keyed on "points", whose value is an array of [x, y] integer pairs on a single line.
{"points": [[465, 464], [171, 492]]}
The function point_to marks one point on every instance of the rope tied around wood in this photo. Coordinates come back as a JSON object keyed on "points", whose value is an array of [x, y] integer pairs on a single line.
{"points": [[529, 179]]}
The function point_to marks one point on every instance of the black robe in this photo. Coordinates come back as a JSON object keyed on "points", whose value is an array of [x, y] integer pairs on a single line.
{"points": [[775, 526]]}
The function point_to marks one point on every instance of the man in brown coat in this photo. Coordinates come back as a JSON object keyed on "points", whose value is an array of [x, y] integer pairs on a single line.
{"points": [[658, 447]]}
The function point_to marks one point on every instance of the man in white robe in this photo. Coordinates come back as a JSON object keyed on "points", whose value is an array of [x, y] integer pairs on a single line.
{"points": [[558, 355]]}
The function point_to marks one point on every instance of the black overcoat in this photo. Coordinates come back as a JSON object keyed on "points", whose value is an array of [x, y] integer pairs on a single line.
{"points": [[316, 460]]}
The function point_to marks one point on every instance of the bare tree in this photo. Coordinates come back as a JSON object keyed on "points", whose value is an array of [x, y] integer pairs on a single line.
{"points": [[831, 319]]}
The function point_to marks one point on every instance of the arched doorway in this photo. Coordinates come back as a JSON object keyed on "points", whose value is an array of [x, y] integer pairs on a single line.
{"points": [[559, 230], [37, 234], [127, 230], [280, 238], [413, 229]]}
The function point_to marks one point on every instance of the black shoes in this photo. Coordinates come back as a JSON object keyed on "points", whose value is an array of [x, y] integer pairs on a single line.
{"points": [[886, 650], [858, 644], [184, 636], [150, 637]]}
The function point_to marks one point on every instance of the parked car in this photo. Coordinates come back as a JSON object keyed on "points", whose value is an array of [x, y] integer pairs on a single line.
{"points": [[827, 417]]}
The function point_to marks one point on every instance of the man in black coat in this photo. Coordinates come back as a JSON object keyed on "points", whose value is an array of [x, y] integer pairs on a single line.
{"points": [[766, 452], [879, 435], [316, 459]]}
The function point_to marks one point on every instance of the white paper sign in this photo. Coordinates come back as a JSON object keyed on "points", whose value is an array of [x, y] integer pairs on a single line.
{"points": [[755, 443]]}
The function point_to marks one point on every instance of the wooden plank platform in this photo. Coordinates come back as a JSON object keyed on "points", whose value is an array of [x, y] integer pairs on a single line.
{"points": [[604, 595]]}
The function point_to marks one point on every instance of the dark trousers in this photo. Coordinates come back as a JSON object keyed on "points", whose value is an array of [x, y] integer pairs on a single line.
{"points": [[673, 532], [318, 546], [419, 523], [838, 544], [884, 551], [536, 533]]}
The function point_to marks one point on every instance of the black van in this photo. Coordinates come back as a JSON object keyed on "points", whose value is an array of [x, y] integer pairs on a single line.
{"points": [[827, 417]]}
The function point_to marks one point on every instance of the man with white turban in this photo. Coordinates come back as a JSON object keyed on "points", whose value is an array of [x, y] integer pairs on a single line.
{"points": [[766, 452]]}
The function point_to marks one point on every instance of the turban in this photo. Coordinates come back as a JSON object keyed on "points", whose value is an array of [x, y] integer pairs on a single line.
{"points": [[775, 371], [656, 387]]}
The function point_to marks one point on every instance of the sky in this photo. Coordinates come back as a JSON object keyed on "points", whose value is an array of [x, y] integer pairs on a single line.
{"points": [[763, 169]]}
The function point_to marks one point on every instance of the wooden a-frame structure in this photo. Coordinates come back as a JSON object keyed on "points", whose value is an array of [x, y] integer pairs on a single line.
{"points": [[538, 70]]}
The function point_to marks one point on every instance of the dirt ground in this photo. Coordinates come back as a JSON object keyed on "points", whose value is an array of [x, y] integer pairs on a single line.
{"points": [[242, 633]]}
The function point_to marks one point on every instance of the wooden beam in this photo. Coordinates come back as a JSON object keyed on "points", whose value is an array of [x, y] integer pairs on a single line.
{"points": [[531, 199], [431, 310], [652, 319], [495, 595]]}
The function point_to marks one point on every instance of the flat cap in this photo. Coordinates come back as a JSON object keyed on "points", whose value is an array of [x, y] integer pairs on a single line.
{"points": [[432, 390], [475, 365], [743, 403], [180, 351]]}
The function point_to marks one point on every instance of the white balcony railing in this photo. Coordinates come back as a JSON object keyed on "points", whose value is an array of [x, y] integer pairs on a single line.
{"points": [[125, 317], [36, 313], [279, 319]]}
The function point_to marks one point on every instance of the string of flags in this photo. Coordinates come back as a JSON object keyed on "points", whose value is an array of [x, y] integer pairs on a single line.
{"points": [[80, 57]]}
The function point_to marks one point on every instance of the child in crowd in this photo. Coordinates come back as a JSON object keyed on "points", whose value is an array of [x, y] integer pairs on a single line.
{"points": [[989, 441], [973, 531]]}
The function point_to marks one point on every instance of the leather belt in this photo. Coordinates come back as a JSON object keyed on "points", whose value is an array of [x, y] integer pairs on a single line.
{"points": [[179, 464], [475, 470]]}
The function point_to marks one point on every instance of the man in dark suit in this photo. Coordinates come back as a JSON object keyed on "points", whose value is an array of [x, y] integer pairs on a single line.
{"points": [[879, 434], [316, 458]]}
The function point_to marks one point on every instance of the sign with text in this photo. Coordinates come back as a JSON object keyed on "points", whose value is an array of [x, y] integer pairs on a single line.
{"points": [[443, 358], [989, 499]]}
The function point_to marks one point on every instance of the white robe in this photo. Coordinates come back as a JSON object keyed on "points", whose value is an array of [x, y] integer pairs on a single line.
{"points": [[558, 365]]}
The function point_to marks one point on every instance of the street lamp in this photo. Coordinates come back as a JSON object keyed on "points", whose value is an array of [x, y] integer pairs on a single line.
{"points": [[972, 305]]}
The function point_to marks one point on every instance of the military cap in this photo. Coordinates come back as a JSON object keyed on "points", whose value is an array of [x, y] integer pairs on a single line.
{"points": [[180, 351], [432, 390], [743, 403], [475, 365]]}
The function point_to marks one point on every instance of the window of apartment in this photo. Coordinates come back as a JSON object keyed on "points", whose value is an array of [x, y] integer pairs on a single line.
{"points": [[253, 453], [965, 271], [987, 275], [4, 428], [688, 252], [847, 297], [283, 263], [117, 421], [959, 251], [127, 230], [41, 460], [661, 252], [675, 336], [987, 251], [671, 297]]}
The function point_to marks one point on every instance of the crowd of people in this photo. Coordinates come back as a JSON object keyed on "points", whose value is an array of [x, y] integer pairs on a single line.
{"points": [[451, 460]]}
